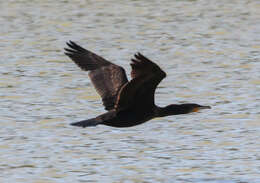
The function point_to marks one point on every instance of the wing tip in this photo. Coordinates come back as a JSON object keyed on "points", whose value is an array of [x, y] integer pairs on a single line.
{"points": [[68, 54], [141, 57], [69, 43], [75, 46]]}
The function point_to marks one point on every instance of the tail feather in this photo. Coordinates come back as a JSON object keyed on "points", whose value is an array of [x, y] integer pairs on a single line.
{"points": [[86, 123]]}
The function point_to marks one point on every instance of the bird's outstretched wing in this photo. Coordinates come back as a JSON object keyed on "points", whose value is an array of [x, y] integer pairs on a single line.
{"points": [[107, 77], [146, 75]]}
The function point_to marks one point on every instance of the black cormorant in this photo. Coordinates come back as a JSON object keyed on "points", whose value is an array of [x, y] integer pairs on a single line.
{"points": [[128, 103]]}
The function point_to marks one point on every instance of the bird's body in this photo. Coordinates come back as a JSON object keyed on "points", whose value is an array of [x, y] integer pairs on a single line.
{"points": [[128, 103], [113, 118]]}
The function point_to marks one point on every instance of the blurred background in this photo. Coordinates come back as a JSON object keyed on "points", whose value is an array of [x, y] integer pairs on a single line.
{"points": [[210, 51]]}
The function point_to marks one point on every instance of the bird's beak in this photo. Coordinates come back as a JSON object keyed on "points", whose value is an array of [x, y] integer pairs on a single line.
{"points": [[204, 107], [196, 109]]}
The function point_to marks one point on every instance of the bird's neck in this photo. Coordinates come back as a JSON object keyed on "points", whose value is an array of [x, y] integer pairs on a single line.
{"points": [[173, 110]]}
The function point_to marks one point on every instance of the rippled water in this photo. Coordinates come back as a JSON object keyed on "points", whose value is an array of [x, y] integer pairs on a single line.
{"points": [[211, 52]]}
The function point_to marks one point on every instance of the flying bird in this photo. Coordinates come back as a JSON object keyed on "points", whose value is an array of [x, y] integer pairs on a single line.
{"points": [[128, 103]]}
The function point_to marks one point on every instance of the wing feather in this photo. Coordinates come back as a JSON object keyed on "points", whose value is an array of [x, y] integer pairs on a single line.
{"points": [[107, 78], [146, 75]]}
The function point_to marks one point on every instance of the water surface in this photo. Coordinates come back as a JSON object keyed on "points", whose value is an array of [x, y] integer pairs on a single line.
{"points": [[210, 51]]}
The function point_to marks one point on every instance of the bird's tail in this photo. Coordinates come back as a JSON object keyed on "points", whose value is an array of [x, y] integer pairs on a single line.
{"points": [[86, 123]]}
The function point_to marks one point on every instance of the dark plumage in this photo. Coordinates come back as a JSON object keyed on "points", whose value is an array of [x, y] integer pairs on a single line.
{"points": [[128, 103]]}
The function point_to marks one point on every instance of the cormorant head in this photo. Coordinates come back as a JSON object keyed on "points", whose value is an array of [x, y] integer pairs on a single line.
{"points": [[175, 109]]}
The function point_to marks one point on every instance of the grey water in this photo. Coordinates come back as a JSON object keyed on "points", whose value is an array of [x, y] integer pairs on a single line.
{"points": [[210, 51]]}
